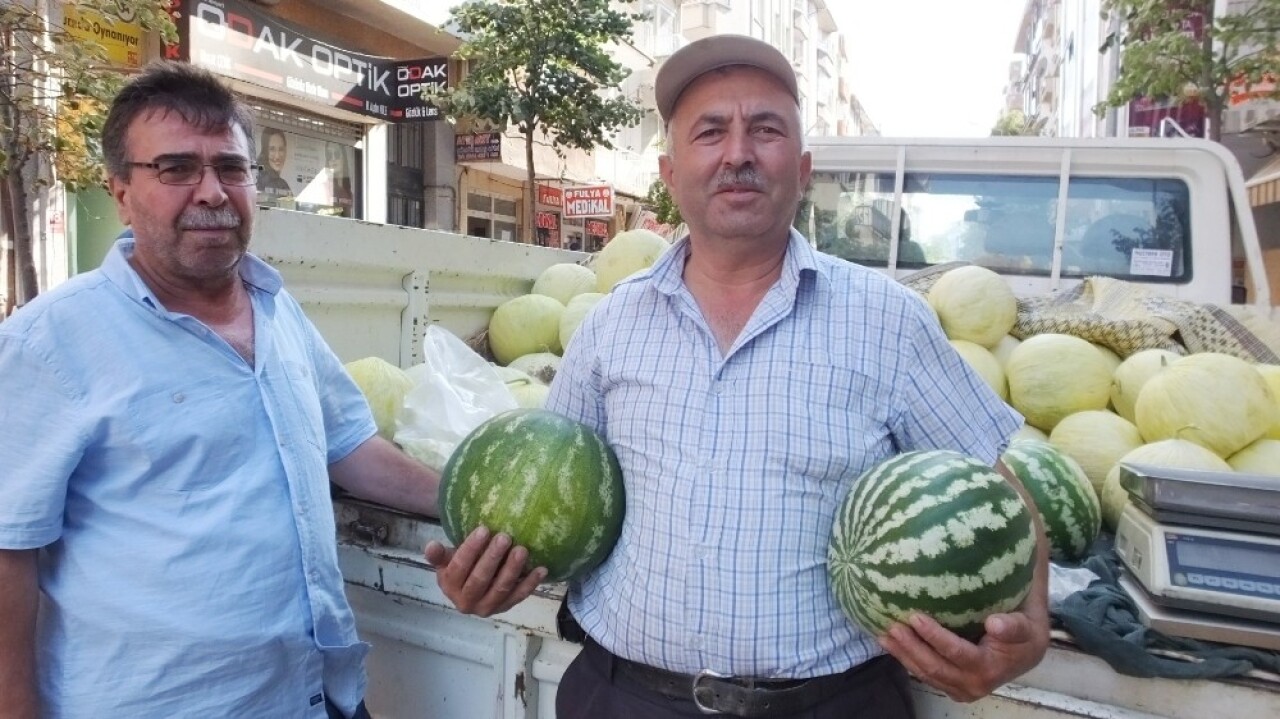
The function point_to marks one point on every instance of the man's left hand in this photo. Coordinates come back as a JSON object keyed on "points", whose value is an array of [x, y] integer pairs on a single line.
{"points": [[1013, 644]]}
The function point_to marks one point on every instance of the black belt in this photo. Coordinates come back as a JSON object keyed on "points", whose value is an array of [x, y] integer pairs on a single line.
{"points": [[735, 696]]}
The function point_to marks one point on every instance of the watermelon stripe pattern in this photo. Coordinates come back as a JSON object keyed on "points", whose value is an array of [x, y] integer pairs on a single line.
{"points": [[1067, 502], [549, 482], [933, 532]]}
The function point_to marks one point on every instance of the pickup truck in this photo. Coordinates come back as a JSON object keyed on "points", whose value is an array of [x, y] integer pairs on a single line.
{"points": [[1169, 214]]}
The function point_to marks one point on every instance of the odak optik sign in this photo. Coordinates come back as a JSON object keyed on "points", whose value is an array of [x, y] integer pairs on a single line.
{"points": [[414, 76], [588, 201], [238, 40]]}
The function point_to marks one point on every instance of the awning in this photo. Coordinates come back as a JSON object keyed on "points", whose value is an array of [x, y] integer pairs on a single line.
{"points": [[1264, 186]]}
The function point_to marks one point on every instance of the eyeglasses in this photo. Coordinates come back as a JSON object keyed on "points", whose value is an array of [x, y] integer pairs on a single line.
{"points": [[180, 171]]}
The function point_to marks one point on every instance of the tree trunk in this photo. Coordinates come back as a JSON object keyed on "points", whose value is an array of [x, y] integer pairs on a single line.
{"points": [[8, 277], [531, 189], [1213, 97], [26, 285]]}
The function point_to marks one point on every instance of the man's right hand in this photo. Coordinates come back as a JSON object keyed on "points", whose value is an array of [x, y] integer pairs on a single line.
{"points": [[485, 574]]}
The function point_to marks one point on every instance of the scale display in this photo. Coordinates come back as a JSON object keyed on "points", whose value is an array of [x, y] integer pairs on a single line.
{"points": [[1209, 570]]}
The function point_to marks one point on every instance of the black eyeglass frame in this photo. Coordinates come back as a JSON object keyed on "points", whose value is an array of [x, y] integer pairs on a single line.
{"points": [[159, 167]]}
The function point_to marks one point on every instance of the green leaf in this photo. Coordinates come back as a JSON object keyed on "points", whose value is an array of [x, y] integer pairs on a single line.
{"points": [[1161, 60]]}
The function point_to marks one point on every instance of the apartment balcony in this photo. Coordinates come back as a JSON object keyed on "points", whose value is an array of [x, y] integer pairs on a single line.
{"points": [[628, 171]]}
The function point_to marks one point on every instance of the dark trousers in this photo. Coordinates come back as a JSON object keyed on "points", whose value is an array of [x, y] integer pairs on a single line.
{"points": [[361, 712], [592, 689]]}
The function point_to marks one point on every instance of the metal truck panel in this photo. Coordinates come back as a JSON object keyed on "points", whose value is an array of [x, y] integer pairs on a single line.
{"points": [[372, 289], [429, 660]]}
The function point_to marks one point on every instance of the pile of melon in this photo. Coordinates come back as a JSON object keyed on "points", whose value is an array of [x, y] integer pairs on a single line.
{"points": [[528, 334], [1207, 411]]}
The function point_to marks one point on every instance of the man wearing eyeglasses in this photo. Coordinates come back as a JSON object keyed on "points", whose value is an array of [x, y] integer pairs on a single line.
{"points": [[171, 424]]}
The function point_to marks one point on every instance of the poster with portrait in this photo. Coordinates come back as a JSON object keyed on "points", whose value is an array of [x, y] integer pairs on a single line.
{"points": [[309, 174]]}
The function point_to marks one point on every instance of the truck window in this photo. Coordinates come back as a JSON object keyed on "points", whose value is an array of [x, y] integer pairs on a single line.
{"points": [[1135, 228]]}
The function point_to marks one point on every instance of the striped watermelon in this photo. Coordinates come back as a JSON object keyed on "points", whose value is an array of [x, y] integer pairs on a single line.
{"points": [[1067, 501], [933, 532], [549, 482]]}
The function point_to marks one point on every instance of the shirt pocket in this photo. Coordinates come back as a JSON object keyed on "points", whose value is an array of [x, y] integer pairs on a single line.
{"points": [[834, 421], [192, 435]]}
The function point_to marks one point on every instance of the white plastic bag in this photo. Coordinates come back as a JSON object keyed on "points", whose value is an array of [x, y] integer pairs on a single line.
{"points": [[454, 390], [1065, 581]]}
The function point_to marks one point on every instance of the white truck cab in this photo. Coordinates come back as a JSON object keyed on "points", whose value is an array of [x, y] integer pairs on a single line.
{"points": [[1171, 215]]}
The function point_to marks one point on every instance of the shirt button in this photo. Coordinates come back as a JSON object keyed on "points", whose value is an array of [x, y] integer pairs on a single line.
{"points": [[179, 398], [695, 642]]}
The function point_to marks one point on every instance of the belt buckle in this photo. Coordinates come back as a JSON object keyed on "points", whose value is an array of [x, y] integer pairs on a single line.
{"points": [[697, 679]]}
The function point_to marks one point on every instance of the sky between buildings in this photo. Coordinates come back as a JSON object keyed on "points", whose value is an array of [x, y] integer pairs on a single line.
{"points": [[934, 68]]}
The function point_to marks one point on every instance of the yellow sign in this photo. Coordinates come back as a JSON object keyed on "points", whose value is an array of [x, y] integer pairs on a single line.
{"points": [[122, 39]]}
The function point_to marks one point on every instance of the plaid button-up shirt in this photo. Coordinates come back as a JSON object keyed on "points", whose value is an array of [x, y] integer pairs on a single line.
{"points": [[735, 463]]}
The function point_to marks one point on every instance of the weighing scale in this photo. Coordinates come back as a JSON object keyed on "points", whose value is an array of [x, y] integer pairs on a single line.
{"points": [[1203, 550]]}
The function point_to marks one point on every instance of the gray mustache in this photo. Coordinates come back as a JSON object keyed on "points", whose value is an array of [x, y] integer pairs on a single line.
{"points": [[223, 218], [745, 176]]}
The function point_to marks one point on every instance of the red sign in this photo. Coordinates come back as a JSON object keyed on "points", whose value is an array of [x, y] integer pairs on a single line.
{"points": [[548, 228], [648, 220], [1242, 91], [550, 196], [588, 201], [597, 228]]}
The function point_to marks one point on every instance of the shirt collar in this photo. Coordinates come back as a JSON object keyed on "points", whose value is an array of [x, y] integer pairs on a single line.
{"points": [[116, 267], [668, 271]]}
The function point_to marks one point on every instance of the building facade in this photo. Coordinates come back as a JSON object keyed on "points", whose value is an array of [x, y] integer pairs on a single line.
{"points": [[334, 86], [1061, 72]]}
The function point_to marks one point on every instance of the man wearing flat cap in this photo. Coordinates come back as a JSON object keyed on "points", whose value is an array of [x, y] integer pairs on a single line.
{"points": [[745, 382]]}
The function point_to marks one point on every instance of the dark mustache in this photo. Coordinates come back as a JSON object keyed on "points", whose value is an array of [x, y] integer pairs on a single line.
{"points": [[744, 177], [206, 218]]}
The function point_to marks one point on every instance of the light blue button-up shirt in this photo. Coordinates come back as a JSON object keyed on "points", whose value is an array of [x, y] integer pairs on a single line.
{"points": [[182, 500], [735, 464]]}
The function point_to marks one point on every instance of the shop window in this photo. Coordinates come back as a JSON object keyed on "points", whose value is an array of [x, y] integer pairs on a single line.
{"points": [[574, 234], [406, 160], [597, 234], [310, 164], [492, 216]]}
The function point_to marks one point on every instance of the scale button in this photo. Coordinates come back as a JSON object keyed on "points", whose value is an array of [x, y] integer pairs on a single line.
{"points": [[1212, 581], [1248, 586], [1264, 588], [1180, 579], [1194, 578], [1229, 583]]}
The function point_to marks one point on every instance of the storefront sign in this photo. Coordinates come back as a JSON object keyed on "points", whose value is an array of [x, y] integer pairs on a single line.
{"points": [[119, 36], [473, 146], [548, 226], [1242, 91], [648, 220], [597, 228], [236, 39], [550, 196], [589, 201]]}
